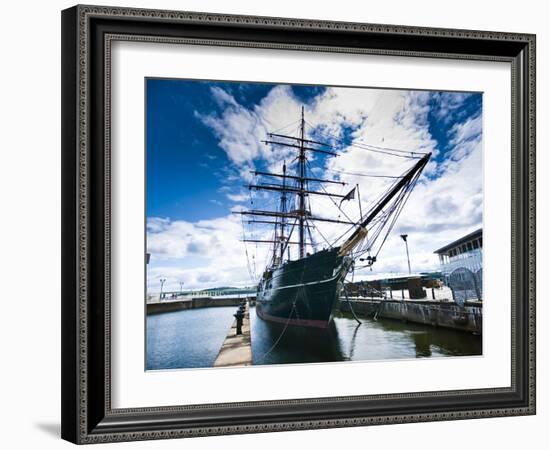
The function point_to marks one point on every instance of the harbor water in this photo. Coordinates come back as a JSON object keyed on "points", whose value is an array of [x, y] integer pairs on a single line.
{"points": [[192, 339], [187, 338]]}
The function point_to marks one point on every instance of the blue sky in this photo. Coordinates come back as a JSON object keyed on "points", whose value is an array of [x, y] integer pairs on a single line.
{"points": [[186, 168], [203, 140]]}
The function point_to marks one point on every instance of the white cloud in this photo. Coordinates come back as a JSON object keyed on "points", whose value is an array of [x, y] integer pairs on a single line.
{"points": [[237, 197], [240, 130], [194, 252], [446, 203], [466, 131], [156, 224], [440, 210], [448, 103], [222, 98]]}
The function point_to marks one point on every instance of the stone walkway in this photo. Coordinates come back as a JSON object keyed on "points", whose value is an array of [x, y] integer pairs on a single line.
{"points": [[236, 349]]}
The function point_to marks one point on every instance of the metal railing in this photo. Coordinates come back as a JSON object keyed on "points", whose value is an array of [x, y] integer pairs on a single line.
{"points": [[464, 275]]}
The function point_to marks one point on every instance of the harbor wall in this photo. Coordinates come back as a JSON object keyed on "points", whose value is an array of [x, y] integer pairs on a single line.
{"points": [[198, 302], [440, 314]]}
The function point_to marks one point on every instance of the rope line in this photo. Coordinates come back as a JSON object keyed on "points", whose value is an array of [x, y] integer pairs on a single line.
{"points": [[373, 148], [293, 309]]}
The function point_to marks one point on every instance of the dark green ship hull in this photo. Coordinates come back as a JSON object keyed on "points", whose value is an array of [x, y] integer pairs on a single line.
{"points": [[303, 292]]}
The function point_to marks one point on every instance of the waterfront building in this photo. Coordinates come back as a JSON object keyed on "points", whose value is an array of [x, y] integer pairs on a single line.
{"points": [[462, 266]]}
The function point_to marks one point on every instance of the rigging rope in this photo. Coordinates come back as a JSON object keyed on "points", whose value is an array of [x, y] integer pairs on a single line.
{"points": [[322, 235], [340, 209], [392, 149], [350, 305], [357, 174], [373, 204], [286, 126], [393, 213], [262, 358], [293, 309], [252, 275], [387, 217], [373, 148]]}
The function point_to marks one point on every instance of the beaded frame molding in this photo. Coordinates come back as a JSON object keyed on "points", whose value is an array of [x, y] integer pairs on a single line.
{"points": [[87, 35]]}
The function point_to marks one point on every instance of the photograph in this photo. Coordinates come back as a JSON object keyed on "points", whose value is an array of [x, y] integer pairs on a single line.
{"points": [[300, 224], [283, 220]]}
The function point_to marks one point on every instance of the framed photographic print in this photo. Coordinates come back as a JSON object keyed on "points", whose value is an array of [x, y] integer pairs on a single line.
{"points": [[267, 222]]}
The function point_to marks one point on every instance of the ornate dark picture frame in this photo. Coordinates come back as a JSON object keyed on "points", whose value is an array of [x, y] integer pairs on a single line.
{"points": [[87, 34]]}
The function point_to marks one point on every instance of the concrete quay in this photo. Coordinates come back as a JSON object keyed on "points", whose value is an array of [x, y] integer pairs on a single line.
{"points": [[434, 313], [170, 305], [236, 350]]}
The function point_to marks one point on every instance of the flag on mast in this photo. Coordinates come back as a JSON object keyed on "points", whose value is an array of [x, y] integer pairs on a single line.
{"points": [[349, 196]]}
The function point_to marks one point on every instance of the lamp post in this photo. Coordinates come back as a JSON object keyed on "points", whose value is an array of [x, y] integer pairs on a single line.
{"points": [[181, 287], [404, 237], [162, 281]]}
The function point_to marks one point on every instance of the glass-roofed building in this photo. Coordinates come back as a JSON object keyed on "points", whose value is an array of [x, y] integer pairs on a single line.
{"points": [[462, 266]]}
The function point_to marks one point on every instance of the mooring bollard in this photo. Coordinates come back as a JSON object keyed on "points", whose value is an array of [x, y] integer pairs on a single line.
{"points": [[239, 315]]}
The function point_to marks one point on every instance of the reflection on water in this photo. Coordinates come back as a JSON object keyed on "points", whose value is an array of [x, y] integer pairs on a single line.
{"points": [[345, 340], [192, 338], [270, 345]]}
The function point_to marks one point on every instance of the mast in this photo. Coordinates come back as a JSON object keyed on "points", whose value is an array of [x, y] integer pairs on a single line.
{"points": [[299, 188], [302, 194], [283, 211]]}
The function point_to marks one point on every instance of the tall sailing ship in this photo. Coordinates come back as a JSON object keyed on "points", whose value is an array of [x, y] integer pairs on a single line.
{"points": [[303, 291]]}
